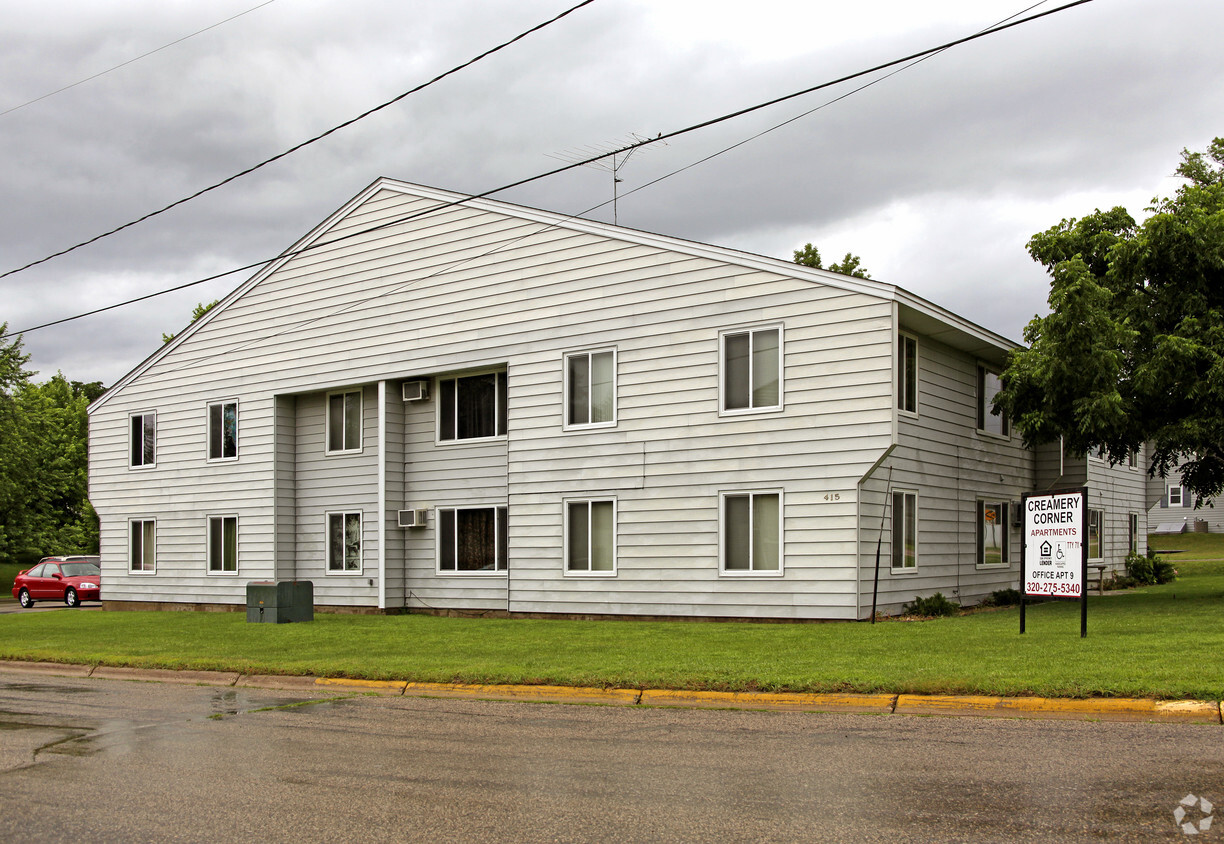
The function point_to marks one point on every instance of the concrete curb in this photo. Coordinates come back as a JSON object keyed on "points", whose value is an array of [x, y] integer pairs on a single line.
{"points": [[1105, 709]]}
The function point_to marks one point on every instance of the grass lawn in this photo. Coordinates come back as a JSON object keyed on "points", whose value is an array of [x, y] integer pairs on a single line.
{"points": [[1159, 641]]}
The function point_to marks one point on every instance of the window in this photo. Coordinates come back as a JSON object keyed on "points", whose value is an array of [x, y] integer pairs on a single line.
{"points": [[344, 422], [143, 440], [223, 431], [993, 534], [590, 389], [472, 407], [987, 420], [1132, 459], [752, 369], [1096, 534], [1132, 533], [222, 544], [590, 537], [142, 535], [1176, 499], [752, 532], [472, 540], [344, 542], [907, 374], [905, 530]]}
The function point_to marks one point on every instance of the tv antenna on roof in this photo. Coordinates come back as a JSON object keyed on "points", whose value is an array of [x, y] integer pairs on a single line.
{"points": [[613, 155]]}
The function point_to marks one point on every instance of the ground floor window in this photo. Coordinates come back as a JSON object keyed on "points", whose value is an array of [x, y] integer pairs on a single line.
{"points": [[344, 542], [1096, 534], [590, 537], [222, 544], [142, 535], [993, 533], [472, 540], [1132, 530], [752, 532], [904, 530]]}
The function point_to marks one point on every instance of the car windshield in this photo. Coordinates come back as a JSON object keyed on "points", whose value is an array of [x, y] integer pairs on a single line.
{"points": [[80, 569]]}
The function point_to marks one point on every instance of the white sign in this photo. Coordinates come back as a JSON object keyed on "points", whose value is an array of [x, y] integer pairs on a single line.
{"points": [[1054, 545]]}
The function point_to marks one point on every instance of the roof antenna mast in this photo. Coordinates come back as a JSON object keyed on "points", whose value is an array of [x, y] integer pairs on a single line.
{"points": [[614, 156]]}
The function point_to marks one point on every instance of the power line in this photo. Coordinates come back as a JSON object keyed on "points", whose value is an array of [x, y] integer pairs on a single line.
{"points": [[303, 144], [136, 59], [629, 147]]}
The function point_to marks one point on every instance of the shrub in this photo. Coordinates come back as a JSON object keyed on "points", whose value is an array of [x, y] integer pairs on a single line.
{"points": [[1002, 598], [932, 607], [1149, 569]]}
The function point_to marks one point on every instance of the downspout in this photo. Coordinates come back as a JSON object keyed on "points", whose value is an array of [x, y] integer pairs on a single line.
{"points": [[382, 495]]}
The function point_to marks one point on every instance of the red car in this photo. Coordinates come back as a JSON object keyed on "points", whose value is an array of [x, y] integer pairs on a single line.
{"points": [[67, 579]]}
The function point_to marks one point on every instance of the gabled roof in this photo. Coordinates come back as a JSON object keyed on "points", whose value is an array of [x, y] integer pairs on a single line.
{"points": [[916, 313]]}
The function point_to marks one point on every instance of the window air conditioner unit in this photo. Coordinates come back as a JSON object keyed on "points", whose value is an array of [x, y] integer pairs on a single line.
{"points": [[416, 390], [412, 518]]}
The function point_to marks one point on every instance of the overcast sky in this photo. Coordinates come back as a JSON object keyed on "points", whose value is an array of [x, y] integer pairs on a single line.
{"points": [[936, 177]]}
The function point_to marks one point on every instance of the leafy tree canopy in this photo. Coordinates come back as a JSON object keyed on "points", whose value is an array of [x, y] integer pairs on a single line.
{"points": [[198, 311], [1133, 348], [809, 256]]}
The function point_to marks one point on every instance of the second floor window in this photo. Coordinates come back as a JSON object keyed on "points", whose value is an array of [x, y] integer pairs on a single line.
{"points": [[590, 389], [752, 369], [907, 374], [988, 421], [143, 441], [472, 407], [223, 430], [344, 422]]}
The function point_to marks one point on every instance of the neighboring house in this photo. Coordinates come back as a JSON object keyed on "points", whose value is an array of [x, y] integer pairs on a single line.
{"points": [[1117, 498], [576, 418], [1173, 506]]}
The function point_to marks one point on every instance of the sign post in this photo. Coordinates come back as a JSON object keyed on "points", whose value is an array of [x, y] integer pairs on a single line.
{"points": [[1054, 555]]}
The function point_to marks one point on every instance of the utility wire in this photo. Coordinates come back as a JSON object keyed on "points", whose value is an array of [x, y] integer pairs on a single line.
{"points": [[136, 59], [303, 144], [662, 136]]}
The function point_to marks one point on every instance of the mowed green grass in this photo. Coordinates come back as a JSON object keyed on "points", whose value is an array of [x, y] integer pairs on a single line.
{"points": [[1160, 641]]}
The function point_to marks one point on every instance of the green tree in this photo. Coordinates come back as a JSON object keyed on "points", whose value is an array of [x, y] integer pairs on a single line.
{"points": [[14, 462], [198, 311], [1133, 348], [809, 256]]}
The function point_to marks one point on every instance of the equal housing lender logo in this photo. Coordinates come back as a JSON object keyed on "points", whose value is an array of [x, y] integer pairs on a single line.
{"points": [[1193, 814]]}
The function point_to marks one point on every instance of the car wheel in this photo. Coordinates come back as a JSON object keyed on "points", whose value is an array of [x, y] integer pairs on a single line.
{"points": [[71, 599], [23, 598]]}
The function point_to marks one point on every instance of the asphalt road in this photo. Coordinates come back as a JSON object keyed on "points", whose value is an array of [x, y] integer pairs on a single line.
{"points": [[109, 760]]}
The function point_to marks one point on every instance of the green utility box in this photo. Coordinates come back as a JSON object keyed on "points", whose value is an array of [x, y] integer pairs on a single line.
{"points": [[280, 603]]}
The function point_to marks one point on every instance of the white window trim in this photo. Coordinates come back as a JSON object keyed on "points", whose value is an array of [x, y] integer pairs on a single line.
{"points": [[141, 572], [327, 569], [437, 393], [208, 430], [980, 404], [722, 370], [1181, 495], [565, 562], [912, 570], [901, 336], [722, 534], [1007, 533], [566, 425], [438, 570], [208, 569], [329, 452], [141, 414]]}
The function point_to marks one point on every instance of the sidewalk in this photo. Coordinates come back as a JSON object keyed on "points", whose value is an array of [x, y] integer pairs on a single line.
{"points": [[1102, 709]]}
